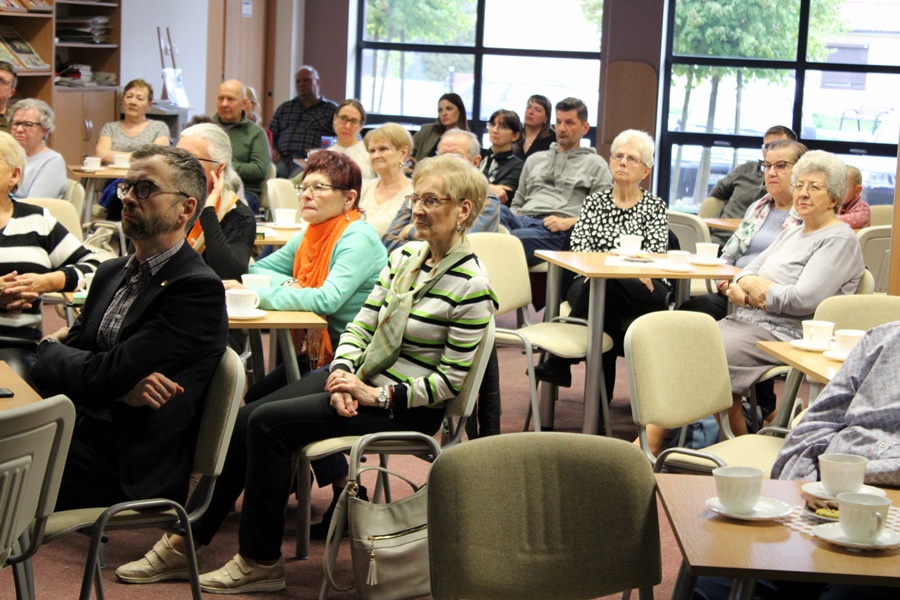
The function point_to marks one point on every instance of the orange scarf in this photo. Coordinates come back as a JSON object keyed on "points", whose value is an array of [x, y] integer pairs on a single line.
{"points": [[311, 266], [196, 238]]}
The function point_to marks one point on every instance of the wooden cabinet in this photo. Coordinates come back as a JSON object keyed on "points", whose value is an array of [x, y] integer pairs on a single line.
{"points": [[80, 114]]}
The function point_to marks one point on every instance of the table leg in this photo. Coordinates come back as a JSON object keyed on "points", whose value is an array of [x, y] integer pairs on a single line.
{"points": [[551, 311], [742, 589], [291, 368], [684, 584], [256, 353], [682, 291], [593, 403], [89, 199], [788, 398]]}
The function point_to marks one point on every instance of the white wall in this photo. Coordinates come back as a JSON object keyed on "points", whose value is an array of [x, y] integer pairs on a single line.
{"points": [[187, 23]]}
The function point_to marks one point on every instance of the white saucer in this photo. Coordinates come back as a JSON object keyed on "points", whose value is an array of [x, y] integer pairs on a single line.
{"points": [[637, 259], [765, 509], [836, 355], [285, 225], [708, 262], [810, 346], [815, 488], [665, 266], [256, 313], [808, 510], [832, 532], [86, 170]]}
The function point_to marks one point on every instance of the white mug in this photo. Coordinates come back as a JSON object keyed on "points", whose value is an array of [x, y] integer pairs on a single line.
{"points": [[285, 216], [707, 250], [630, 243], [241, 302], [738, 488], [679, 257], [842, 472], [818, 332], [863, 516], [121, 160], [85, 284], [845, 339], [252, 280], [91, 162]]}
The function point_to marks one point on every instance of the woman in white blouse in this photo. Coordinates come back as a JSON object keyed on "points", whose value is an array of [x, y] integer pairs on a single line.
{"points": [[349, 119], [389, 147]]}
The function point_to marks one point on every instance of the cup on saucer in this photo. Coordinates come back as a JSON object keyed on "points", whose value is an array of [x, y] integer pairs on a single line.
{"points": [[818, 332], [862, 516], [120, 161], [241, 302], [630, 244], [254, 281], [707, 251], [679, 258], [285, 216], [842, 473], [845, 339], [738, 488], [92, 163]]}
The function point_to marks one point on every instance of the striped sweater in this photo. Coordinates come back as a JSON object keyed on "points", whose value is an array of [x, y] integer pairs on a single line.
{"points": [[441, 335], [34, 242]]}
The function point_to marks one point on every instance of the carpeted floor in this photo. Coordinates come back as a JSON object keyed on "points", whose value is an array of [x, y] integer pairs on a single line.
{"points": [[59, 565]]}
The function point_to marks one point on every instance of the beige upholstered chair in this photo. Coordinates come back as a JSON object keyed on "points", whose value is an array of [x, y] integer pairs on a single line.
{"points": [[63, 211], [281, 194], [875, 243], [678, 374], [264, 193], [456, 413], [75, 195], [691, 230], [882, 214], [34, 442], [710, 207], [516, 516], [504, 259], [223, 398], [859, 311]]}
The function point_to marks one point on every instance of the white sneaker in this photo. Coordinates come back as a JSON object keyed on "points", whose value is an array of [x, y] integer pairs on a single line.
{"points": [[162, 563], [242, 575]]}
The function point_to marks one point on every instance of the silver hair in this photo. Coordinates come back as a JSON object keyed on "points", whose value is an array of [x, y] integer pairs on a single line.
{"points": [[474, 146], [219, 149], [819, 161], [47, 115], [11, 152], [639, 138]]}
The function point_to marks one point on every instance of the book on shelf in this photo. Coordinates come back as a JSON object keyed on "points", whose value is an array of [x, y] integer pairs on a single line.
{"points": [[37, 5], [12, 5], [9, 56], [22, 49]]}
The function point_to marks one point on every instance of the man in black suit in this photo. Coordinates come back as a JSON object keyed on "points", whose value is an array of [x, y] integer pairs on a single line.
{"points": [[138, 360]]}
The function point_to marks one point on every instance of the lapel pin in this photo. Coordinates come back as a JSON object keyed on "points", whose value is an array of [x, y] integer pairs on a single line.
{"points": [[164, 282]]}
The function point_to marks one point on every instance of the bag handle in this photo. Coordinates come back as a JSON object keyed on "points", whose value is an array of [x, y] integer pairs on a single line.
{"points": [[415, 488], [333, 541]]}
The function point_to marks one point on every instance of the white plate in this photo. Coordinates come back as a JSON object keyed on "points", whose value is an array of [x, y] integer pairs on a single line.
{"points": [[815, 488], [285, 225], [708, 262], [811, 346], [832, 532], [665, 266], [256, 313], [808, 510], [836, 355], [765, 509], [86, 170], [637, 259]]}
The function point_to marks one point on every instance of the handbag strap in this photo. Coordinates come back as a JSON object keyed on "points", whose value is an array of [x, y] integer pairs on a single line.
{"points": [[361, 470], [333, 540]]}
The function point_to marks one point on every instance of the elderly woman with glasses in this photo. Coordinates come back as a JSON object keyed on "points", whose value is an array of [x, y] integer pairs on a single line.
{"points": [[383, 378], [787, 281], [626, 209], [389, 147], [45, 171], [349, 119]]}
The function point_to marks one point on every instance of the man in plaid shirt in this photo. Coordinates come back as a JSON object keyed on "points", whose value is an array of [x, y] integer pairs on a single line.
{"points": [[299, 124]]}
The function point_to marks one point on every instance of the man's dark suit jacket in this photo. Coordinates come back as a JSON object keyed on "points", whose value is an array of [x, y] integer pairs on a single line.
{"points": [[177, 326]]}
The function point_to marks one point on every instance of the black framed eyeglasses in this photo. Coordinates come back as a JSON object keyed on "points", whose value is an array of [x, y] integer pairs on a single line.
{"points": [[143, 189], [316, 189], [429, 202], [25, 124], [779, 167], [347, 120]]}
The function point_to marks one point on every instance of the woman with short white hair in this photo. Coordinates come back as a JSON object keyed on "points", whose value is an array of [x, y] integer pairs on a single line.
{"points": [[45, 171]]}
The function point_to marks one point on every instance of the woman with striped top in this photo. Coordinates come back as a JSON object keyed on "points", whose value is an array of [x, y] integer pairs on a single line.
{"points": [[37, 255]]}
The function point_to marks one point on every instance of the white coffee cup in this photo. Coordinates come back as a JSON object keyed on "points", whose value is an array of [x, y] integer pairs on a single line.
{"points": [[285, 216], [252, 280], [241, 302], [863, 516], [842, 473], [818, 332], [92, 162], [738, 488], [85, 284], [845, 339], [679, 258], [707, 250], [630, 243], [121, 160]]}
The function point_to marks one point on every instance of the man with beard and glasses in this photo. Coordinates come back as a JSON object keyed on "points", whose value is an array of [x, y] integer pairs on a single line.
{"points": [[138, 360]]}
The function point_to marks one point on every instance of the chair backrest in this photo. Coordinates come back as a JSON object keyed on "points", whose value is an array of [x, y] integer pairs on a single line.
{"points": [[859, 312], [503, 257], [515, 516], [710, 207], [689, 229], [677, 370], [882, 214], [282, 195], [460, 408], [875, 243], [264, 193], [63, 211], [223, 398], [75, 194], [866, 285], [34, 442]]}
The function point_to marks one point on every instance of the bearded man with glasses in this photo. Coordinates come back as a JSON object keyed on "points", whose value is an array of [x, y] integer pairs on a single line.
{"points": [[138, 360]]}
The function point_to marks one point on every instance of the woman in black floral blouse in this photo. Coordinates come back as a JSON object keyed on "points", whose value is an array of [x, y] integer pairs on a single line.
{"points": [[605, 216]]}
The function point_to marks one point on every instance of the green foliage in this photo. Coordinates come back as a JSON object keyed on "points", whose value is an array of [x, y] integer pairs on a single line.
{"points": [[421, 21]]}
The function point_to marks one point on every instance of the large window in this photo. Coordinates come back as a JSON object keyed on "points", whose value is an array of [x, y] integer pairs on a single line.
{"points": [[829, 69], [493, 53]]}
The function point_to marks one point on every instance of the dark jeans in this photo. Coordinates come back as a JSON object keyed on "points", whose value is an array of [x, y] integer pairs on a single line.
{"points": [[533, 234], [485, 420], [259, 457], [717, 588]]}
